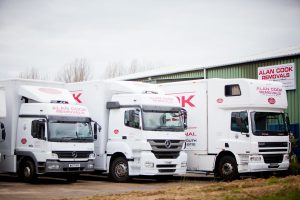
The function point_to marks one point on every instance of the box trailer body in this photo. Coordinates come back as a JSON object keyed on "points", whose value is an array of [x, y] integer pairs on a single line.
{"points": [[148, 150], [234, 125], [40, 120]]}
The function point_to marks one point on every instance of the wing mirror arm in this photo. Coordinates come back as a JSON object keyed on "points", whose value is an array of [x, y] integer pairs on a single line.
{"points": [[97, 128]]}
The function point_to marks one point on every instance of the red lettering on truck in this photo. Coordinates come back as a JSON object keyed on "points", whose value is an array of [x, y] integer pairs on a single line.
{"points": [[76, 97], [185, 101]]}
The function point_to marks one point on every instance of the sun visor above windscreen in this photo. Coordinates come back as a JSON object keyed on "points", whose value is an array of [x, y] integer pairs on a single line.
{"points": [[46, 94]]}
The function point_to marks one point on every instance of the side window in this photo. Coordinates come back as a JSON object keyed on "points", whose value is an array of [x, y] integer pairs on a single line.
{"points": [[132, 118], [38, 129], [232, 90], [239, 122]]}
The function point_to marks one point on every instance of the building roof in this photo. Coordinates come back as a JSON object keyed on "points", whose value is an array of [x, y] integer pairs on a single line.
{"points": [[286, 52]]}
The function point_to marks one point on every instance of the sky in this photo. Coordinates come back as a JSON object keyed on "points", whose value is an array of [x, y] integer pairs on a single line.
{"points": [[50, 34]]}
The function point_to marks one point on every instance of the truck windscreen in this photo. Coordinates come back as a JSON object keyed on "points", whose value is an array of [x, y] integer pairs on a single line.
{"points": [[162, 120], [69, 130], [268, 124]]}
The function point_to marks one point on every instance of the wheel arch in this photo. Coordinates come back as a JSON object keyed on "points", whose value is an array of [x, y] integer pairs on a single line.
{"points": [[113, 157], [221, 155], [26, 155]]}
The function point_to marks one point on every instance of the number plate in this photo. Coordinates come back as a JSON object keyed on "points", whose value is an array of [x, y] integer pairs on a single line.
{"points": [[273, 165], [74, 165]]}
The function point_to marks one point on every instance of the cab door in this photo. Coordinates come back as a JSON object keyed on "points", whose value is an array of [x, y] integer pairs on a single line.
{"points": [[239, 134], [132, 124], [32, 136]]}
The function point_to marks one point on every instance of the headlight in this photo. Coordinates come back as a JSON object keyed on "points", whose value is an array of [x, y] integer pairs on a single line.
{"points": [[90, 166], [149, 164], [54, 156], [286, 157], [183, 164], [53, 166], [255, 158], [244, 158], [92, 156]]}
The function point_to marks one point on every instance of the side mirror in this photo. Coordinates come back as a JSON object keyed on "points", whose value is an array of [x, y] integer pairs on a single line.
{"points": [[287, 120], [42, 128], [242, 125], [239, 122], [97, 128], [134, 121], [3, 133], [184, 114]]}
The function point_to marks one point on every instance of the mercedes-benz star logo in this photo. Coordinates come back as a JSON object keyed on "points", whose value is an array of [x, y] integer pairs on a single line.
{"points": [[168, 144], [74, 154]]}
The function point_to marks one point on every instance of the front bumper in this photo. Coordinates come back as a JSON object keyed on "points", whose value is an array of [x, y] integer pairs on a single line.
{"points": [[149, 165], [261, 166], [56, 166]]}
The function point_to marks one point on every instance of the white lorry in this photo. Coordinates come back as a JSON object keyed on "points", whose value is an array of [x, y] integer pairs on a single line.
{"points": [[234, 125], [44, 131], [143, 130], [2, 112]]}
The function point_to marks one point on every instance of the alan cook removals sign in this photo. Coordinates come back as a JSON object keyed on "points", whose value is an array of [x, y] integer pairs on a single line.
{"points": [[284, 73]]}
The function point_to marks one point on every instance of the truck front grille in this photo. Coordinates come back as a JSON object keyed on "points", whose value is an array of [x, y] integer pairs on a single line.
{"points": [[166, 166], [73, 154], [273, 158], [166, 149], [273, 146], [167, 170]]}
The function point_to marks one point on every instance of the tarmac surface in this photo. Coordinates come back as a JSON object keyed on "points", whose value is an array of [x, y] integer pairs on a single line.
{"points": [[88, 185]]}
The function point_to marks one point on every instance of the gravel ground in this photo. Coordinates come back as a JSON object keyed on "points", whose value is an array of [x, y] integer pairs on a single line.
{"points": [[88, 185]]}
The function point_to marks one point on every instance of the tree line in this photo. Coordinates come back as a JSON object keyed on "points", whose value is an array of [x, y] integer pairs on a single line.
{"points": [[79, 70]]}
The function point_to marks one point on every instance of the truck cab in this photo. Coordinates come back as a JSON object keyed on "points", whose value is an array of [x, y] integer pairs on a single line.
{"points": [[46, 133], [258, 136], [234, 125], [150, 129], [142, 129]]}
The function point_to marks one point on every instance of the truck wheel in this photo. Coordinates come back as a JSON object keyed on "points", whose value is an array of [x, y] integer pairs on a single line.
{"points": [[27, 171], [119, 170], [227, 168]]}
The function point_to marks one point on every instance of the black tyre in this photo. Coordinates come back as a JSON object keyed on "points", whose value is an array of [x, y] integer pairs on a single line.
{"points": [[119, 171], [72, 178], [27, 171], [227, 168]]}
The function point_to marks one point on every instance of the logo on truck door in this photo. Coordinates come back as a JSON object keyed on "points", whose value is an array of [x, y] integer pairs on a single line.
{"points": [[271, 100]]}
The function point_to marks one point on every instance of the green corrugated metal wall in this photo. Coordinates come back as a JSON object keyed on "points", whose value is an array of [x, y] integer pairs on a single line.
{"points": [[244, 70]]}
